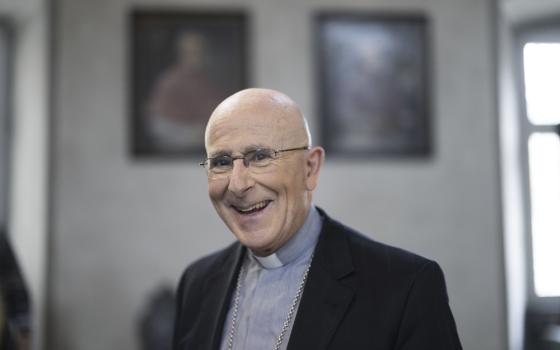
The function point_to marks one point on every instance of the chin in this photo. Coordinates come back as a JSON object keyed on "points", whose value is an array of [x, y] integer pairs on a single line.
{"points": [[256, 241], [250, 241]]}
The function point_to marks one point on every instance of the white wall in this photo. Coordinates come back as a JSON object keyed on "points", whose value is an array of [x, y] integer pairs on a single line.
{"points": [[28, 177], [121, 226]]}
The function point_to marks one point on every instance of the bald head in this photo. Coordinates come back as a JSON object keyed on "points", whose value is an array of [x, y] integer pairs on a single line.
{"points": [[257, 109]]}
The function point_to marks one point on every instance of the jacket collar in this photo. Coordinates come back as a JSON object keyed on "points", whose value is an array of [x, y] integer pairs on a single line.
{"points": [[328, 292], [218, 291]]}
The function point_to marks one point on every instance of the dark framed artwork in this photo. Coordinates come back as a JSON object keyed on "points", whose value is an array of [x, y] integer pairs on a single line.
{"points": [[183, 65], [373, 76]]}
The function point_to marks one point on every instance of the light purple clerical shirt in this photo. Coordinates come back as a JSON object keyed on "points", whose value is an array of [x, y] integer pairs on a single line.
{"points": [[268, 288]]}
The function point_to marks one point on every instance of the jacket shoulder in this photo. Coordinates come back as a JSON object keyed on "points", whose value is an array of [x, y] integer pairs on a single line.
{"points": [[377, 256], [201, 268], [193, 290], [400, 297]]}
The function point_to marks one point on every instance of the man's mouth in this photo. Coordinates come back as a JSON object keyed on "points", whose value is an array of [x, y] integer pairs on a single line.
{"points": [[253, 208]]}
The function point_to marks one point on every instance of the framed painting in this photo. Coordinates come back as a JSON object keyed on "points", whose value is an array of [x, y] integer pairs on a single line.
{"points": [[183, 64], [373, 77]]}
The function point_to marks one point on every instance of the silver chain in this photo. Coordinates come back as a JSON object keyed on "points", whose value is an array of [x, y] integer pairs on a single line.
{"points": [[288, 320]]}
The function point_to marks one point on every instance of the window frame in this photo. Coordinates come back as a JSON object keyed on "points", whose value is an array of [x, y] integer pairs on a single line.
{"points": [[542, 31], [6, 93]]}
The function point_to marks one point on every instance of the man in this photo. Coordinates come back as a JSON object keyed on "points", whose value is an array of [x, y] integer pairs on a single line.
{"points": [[296, 279]]}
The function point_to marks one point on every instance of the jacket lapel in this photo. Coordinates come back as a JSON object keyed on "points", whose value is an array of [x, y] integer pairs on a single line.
{"points": [[328, 291], [218, 290]]}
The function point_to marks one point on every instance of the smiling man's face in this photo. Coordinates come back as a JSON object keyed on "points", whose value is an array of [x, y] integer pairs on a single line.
{"points": [[264, 209]]}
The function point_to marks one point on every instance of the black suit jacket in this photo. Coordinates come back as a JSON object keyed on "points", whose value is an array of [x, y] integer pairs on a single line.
{"points": [[360, 294]]}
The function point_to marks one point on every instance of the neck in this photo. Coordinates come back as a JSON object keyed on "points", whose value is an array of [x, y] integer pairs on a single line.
{"points": [[300, 220], [304, 238]]}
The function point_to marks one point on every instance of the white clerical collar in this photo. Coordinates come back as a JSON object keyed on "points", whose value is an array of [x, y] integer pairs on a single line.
{"points": [[269, 262], [305, 238]]}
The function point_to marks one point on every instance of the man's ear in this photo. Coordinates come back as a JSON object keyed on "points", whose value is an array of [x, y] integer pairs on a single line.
{"points": [[315, 159]]}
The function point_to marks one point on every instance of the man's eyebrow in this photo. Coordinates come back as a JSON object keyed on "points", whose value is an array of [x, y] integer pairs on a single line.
{"points": [[219, 153], [254, 146], [245, 149]]}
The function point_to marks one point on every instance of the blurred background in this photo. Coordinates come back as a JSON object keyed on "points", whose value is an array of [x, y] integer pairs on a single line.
{"points": [[100, 226]]}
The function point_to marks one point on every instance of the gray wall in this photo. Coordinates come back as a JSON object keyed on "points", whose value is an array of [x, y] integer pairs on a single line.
{"points": [[122, 226]]}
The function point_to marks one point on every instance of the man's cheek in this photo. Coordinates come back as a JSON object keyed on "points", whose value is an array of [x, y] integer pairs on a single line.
{"points": [[215, 192]]}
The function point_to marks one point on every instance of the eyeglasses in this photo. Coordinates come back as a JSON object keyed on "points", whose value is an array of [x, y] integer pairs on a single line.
{"points": [[257, 160]]}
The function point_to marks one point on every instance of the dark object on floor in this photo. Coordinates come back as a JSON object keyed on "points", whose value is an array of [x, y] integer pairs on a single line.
{"points": [[15, 306], [156, 321]]}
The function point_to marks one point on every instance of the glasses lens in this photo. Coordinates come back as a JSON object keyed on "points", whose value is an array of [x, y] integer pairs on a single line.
{"points": [[220, 164], [259, 158]]}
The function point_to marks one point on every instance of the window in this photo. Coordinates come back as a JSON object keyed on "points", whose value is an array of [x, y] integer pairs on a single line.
{"points": [[539, 54], [541, 72]]}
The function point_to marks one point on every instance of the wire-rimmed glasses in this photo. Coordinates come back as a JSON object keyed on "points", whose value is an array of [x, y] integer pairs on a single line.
{"points": [[258, 160]]}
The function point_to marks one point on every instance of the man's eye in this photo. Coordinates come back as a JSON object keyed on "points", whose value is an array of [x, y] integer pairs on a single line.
{"points": [[220, 162], [262, 155]]}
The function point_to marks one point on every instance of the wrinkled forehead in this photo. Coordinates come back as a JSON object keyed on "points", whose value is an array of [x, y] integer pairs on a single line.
{"points": [[248, 127]]}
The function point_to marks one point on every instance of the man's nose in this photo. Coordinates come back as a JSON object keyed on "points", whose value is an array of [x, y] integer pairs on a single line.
{"points": [[240, 179]]}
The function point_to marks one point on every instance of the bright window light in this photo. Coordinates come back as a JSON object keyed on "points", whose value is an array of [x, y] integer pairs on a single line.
{"points": [[544, 172], [542, 82]]}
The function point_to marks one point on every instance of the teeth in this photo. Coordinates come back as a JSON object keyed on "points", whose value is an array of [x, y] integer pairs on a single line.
{"points": [[254, 207]]}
